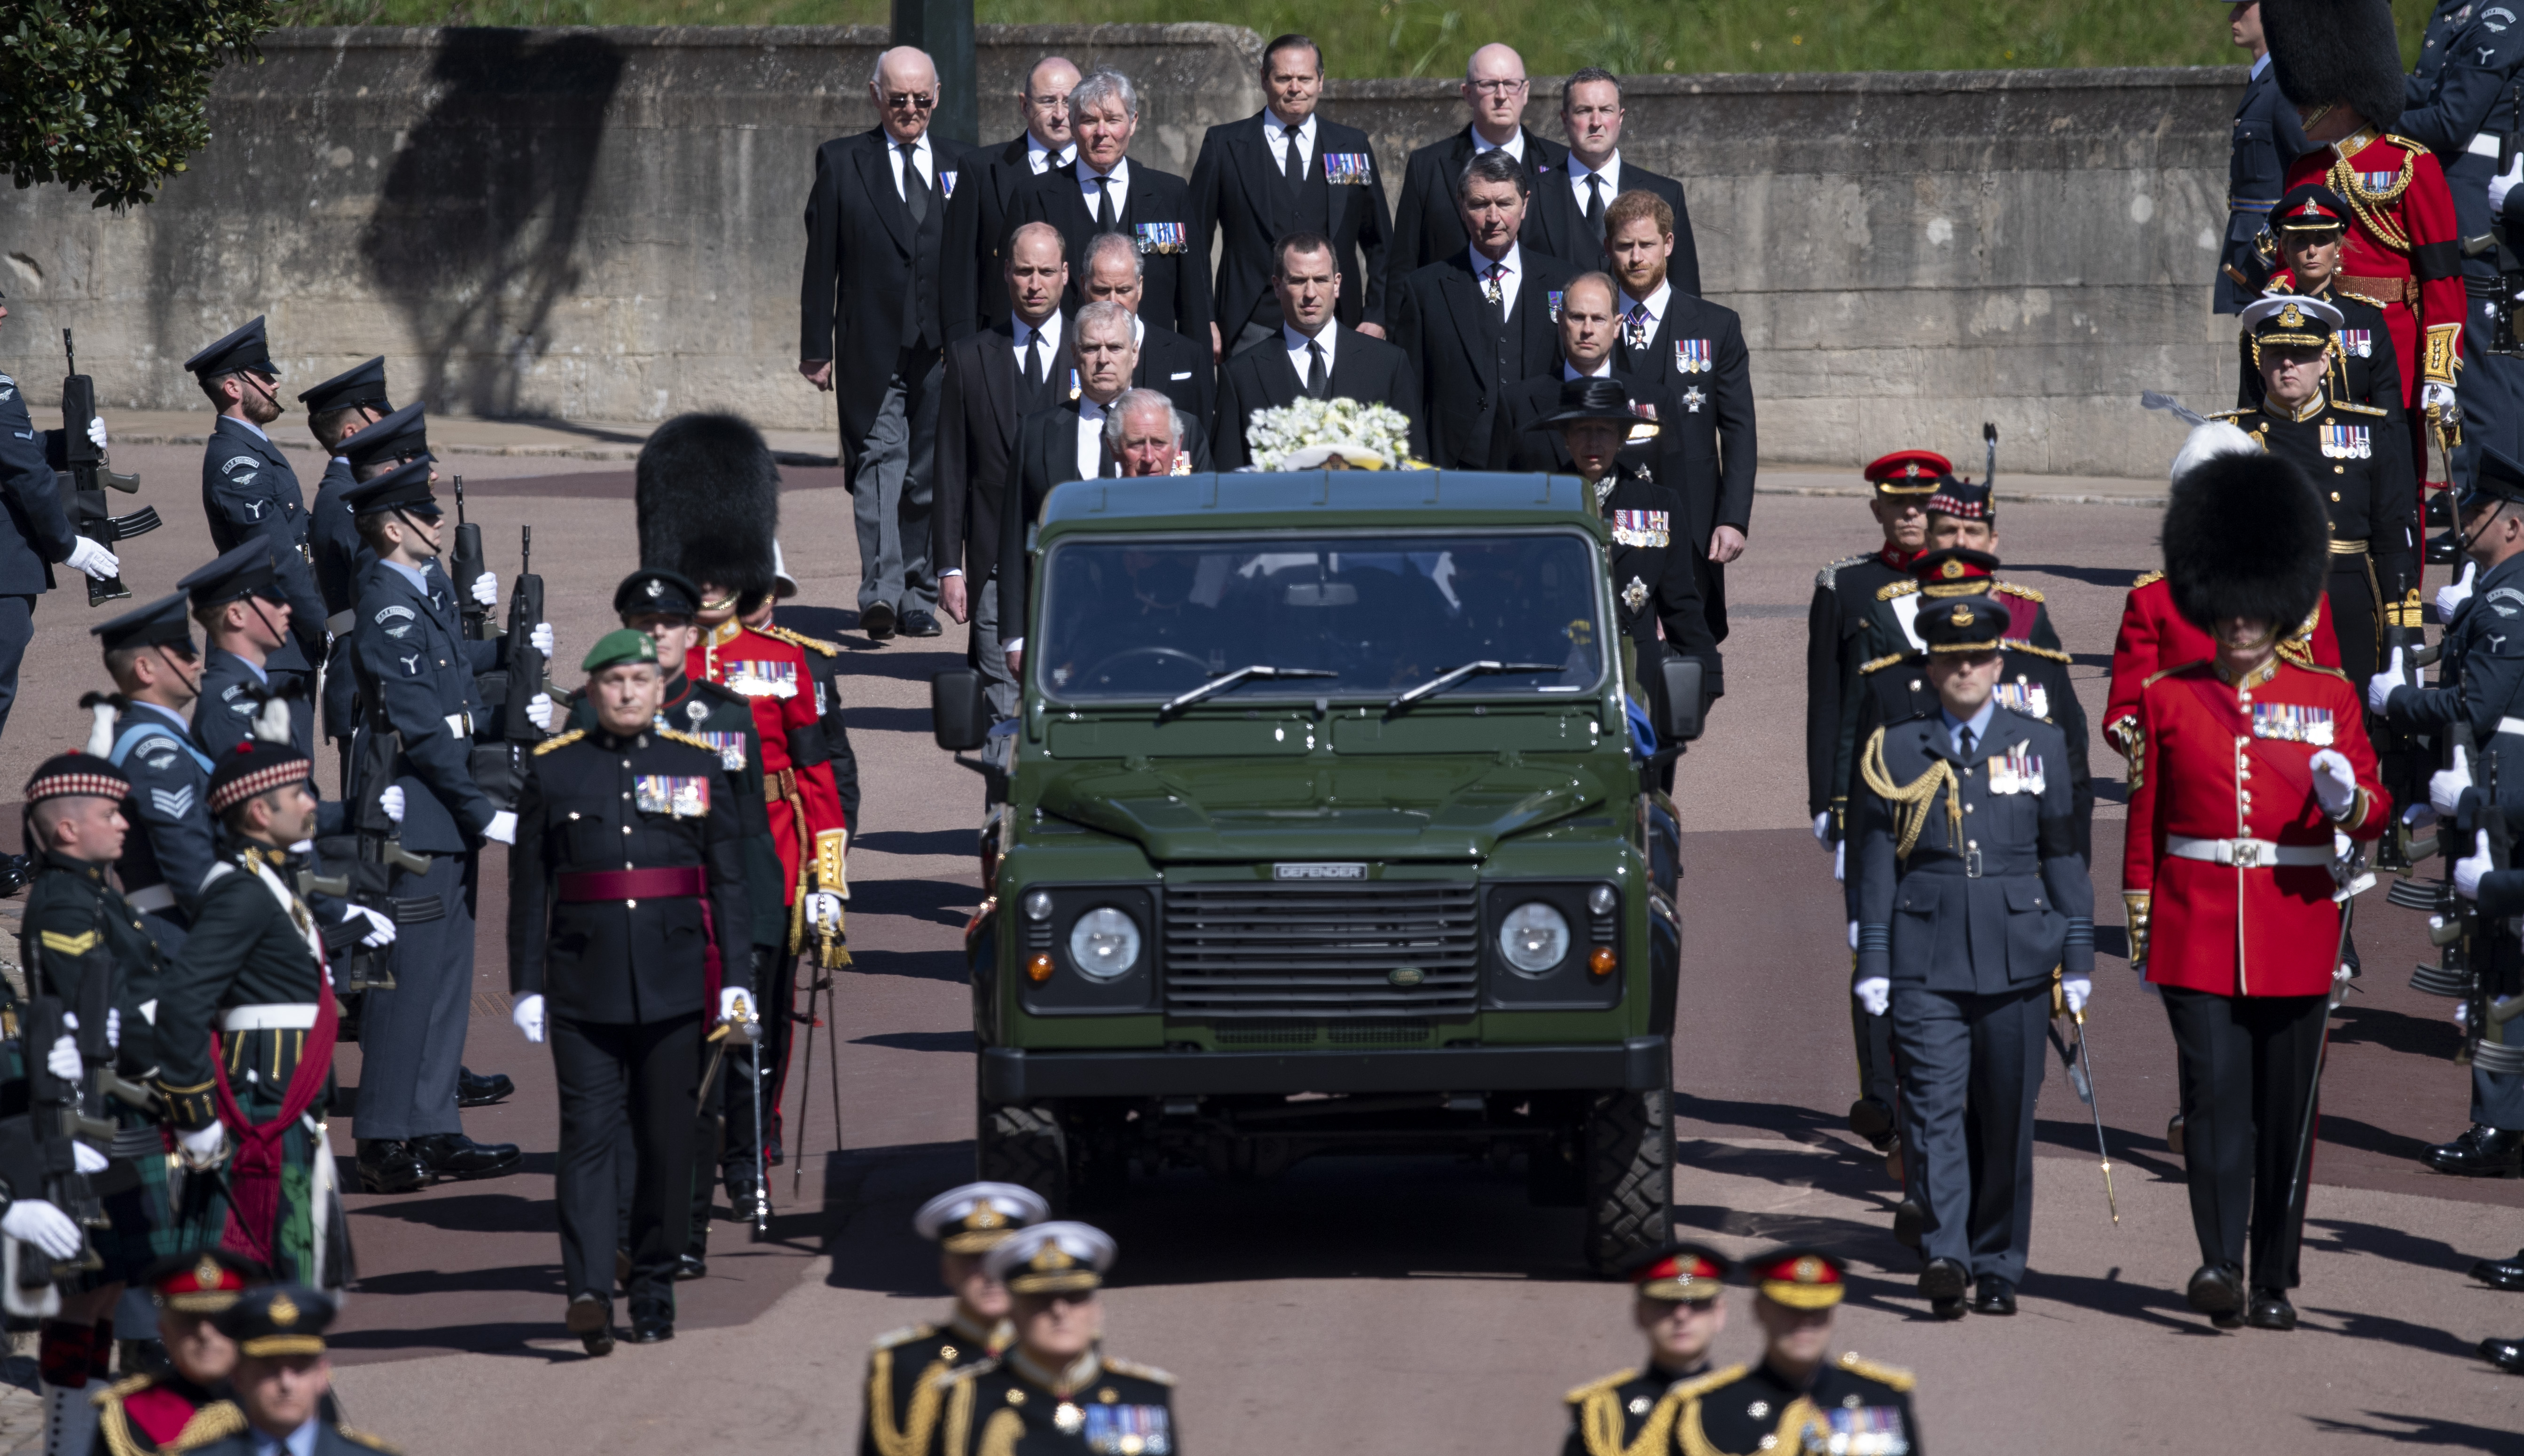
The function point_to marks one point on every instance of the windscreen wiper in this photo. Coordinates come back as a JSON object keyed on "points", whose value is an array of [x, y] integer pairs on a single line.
{"points": [[1226, 680], [1453, 675]]}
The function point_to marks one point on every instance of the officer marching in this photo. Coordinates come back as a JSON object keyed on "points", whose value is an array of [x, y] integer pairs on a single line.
{"points": [[1678, 1302], [283, 1379], [1054, 1390], [1798, 1398], [902, 1395], [186, 1404]]}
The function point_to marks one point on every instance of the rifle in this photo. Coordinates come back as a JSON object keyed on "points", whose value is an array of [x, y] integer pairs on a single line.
{"points": [[526, 666], [89, 479], [376, 853], [469, 567], [2461, 932], [58, 1117]]}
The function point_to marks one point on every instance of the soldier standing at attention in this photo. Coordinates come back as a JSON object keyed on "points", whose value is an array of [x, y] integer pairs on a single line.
{"points": [[35, 533], [149, 655], [186, 1404], [245, 625], [2267, 137], [1679, 1303], [629, 927], [1054, 1390], [1798, 1398], [903, 1395], [249, 491]]}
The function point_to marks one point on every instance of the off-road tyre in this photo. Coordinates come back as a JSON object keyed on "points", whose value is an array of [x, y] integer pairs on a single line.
{"points": [[1023, 1145], [1629, 1175]]}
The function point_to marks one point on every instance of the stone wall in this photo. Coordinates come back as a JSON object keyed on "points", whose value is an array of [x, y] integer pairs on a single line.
{"points": [[605, 224]]}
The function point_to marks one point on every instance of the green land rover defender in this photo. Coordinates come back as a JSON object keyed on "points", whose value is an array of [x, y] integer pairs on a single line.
{"points": [[1324, 831]]}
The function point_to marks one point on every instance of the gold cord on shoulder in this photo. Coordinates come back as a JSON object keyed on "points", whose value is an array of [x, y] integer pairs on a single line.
{"points": [[2350, 183], [1599, 1425], [1001, 1433], [1911, 801]]}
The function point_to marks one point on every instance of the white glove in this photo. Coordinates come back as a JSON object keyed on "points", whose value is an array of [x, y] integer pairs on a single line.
{"points": [[1822, 829], [2446, 786], [1853, 934], [380, 932], [96, 431], [541, 639], [87, 1159], [2075, 990], [823, 907], [736, 1009], [203, 1144], [2499, 184], [528, 1014], [2379, 688], [2433, 395], [543, 713], [114, 1026], [1840, 860], [502, 828], [391, 801], [94, 559], [2462, 1015], [2418, 816], [62, 1060], [486, 589], [2469, 868], [1875, 994], [2451, 596], [2335, 782], [37, 1222]]}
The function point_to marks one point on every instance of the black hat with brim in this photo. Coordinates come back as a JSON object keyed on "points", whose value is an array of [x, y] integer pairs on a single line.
{"points": [[404, 488], [244, 571], [362, 386], [1602, 399], [166, 621], [404, 432], [653, 591], [245, 349]]}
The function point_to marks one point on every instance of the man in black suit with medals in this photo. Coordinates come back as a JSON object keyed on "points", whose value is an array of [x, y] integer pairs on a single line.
{"points": [[1311, 355], [980, 216], [995, 378], [1568, 210], [875, 251], [1692, 350], [1589, 327], [1283, 171], [1427, 226], [1105, 191], [1169, 363], [1482, 320]]}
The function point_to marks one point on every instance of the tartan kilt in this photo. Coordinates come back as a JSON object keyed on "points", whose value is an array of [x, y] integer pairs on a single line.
{"points": [[310, 1238]]}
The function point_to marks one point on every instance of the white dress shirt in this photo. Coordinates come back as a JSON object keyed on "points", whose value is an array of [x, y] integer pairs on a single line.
{"points": [[1580, 172], [1275, 136], [1119, 191], [1602, 370], [1655, 303], [1514, 262], [920, 155], [1514, 146], [1043, 159], [1091, 438], [1296, 344], [1025, 335]]}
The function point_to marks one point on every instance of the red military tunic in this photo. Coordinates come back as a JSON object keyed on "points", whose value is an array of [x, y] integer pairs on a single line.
{"points": [[2154, 637], [807, 821], [2229, 762]]}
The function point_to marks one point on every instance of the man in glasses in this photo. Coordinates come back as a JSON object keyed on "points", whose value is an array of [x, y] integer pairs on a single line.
{"points": [[876, 227], [980, 216], [1426, 227]]}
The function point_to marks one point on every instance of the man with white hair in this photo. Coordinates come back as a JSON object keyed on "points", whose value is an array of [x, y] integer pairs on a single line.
{"points": [[1427, 229], [1105, 191], [875, 230]]}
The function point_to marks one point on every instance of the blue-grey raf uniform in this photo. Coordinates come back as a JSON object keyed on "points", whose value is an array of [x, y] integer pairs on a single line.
{"points": [[1970, 894], [250, 491], [2458, 101], [2267, 137], [233, 689], [171, 847], [37, 534], [334, 536]]}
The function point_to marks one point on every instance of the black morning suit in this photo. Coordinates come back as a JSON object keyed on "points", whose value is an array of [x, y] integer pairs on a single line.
{"points": [[1174, 281], [1264, 376], [1465, 361], [1177, 368], [1654, 587], [979, 410], [1560, 223], [1240, 191], [1697, 356], [1046, 455], [1427, 224], [622, 978], [972, 286]]}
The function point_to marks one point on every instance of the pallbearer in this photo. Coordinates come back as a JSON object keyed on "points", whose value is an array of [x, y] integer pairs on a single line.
{"points": [[1679, 1303], [186, 1403], [903, 1395]]}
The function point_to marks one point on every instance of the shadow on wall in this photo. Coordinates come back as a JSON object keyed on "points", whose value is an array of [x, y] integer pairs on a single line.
{"points": [[474, 232]]}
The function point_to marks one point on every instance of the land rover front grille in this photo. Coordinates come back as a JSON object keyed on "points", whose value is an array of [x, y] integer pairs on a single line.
{"points": [[1381, 948]]}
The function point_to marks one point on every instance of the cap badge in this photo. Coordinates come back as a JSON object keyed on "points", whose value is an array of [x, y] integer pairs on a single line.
{"points": [[1809, 1269], [656, 588], [1911, 470], [1053, 1256], [2290, 317], [986, 1217], [1963, 616], [284, 1311], [1953, 569], [206, 1274]]}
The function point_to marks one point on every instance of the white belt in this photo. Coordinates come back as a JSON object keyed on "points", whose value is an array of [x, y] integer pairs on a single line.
{"points": [[2246, 854], [2485, 144], [2511, 725], [460, 724], [341, 622], [292, 1017], [156, 896]]}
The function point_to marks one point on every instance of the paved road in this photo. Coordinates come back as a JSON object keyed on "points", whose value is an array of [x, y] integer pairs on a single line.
{"points": [[1388, 1303]]}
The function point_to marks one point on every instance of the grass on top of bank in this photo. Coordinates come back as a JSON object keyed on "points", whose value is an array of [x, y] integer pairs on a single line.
{"points": [[1433, 37]]}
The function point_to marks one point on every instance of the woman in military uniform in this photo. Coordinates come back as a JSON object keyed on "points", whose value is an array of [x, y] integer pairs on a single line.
{"points": [[1798, 1398], [1678, 1304], [1055, 1391], [966, 1223], [2309, 223]]}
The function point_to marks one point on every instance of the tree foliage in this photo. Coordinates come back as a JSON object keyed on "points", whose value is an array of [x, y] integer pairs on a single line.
{"points": [[109, 96]]}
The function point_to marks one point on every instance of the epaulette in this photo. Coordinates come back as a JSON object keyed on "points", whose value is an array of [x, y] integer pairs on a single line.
{"points": [[1830, 575], [677, 735], [216, 1422], [2147, 579], [2157, 677], [1893, 588], [2014, 589], [128, 1385], [828, 648], [2311, 666], [2372, 303], [2404, 143], [1882, 1375], [2356, 409], [1617, 1378], [982, 1366], [2051, 653], [361, 1437], [1140, 1371], [2231, 415], [1693, 1389], [1887, 660], [902, 1337], [562, 741]]}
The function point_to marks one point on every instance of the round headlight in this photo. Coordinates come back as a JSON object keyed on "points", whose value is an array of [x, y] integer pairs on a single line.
{"points": [[1534, 938], [1601, 900], [1038, 904], [1103, 944]]}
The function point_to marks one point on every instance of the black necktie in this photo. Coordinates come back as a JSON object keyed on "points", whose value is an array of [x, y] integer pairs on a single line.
{"points": [[1104, 205], [1494, 288], [1293, 165], [1963, 741], [915, 187], [1595, 204], [1318, 387], [1035, 373]]}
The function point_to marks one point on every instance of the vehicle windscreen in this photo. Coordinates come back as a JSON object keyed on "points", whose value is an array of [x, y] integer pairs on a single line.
{"points": [[1155, 618]]}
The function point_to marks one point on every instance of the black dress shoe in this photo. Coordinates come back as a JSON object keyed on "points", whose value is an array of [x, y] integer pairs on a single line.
{"points": [[1943, 1280], [2506, 1355], [877, 621], [455, 1155], [2217, 1292], [1995, 1296], [591, 1319], [918, 623], [390, 1166], [15, 871], [2481, 1152], [2501, 1274], [1908, 1222], [2271, 1311], [652, 1328], [1872, 1119], [692, 1266], [481, 1092], [2173, 1135]]}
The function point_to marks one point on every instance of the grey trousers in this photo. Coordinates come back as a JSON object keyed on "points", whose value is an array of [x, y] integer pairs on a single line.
{"points": [[411, 1038], [1972, 1067], [990, 652], [889, 489], [2498, 1097]]}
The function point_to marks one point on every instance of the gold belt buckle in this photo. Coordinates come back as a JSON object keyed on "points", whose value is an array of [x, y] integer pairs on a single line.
{"points": [[2248, 855]]}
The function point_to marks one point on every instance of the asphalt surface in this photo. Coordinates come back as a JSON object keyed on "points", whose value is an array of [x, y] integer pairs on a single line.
{"points": [[1397, 1303]]}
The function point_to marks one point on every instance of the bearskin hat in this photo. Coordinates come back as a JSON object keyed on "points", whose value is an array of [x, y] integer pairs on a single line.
{"points": [[2246, 536], [2342, 51], [708, 499]]}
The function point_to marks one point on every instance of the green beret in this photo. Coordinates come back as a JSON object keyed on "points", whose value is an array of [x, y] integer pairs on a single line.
{"points": [[616, 648]]}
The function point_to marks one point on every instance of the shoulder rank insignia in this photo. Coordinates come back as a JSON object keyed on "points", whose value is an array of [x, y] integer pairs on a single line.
{"points": [[216, 1422], [1892, 589], [1693, 1389], [61, 944], [2158, 676], [2147, 579], [2051, 653], [1830, 575], [1883, 663], [961, 1372], [812, 644], [1142, 1372], [2230, 416], [1883, 1375], [2313, 666], [688, 740], [2352, 408], [361, 1437], [902, 1337], [562, 741], [2014, 589]]}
